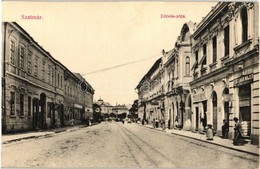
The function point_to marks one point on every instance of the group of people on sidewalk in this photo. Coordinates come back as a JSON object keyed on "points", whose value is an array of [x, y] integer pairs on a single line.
{"points": [[238, 136]]}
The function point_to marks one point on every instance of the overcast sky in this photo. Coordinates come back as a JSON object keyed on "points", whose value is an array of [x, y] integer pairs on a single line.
{"points": [[90, 36]]}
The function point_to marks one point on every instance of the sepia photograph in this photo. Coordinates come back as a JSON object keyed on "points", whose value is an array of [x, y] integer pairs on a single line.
{"points": [[130, 84]]}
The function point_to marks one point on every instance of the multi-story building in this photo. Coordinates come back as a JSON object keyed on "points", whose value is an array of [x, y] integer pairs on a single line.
{"points": [[212, 73], [106, 107], [226, 68], [33, 90], [120, 109], [78, 98], [177, 77], [151, 93]]}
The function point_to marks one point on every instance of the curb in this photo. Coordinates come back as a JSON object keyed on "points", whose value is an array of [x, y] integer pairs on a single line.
{"points": [[255, 154], [44, 135], [26, 138]]}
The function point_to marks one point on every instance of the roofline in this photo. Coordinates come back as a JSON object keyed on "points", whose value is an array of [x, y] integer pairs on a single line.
{"points": [[15, 24], [209, 17], [151, 70]]}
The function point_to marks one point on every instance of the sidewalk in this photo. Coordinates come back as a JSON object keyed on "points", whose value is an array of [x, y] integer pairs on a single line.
{"points": [[7, 138], [227, 143]]}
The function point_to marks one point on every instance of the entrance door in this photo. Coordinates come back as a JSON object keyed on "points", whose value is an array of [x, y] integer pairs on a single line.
{"points": [[35, 113], [197, 118], [245, 109], [215, 111], [204, 122], [42, 112], [62, 115]]}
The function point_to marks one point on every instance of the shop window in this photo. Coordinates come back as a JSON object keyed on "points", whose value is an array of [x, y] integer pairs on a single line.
{"points": [[48, 110], [12, 103], [226, 40], [244, 20], [187, 66], [214, 47], [12, 52], [21, 104], [29, 106]]}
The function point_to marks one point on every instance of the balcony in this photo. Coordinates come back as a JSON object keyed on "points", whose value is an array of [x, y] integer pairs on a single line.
{"points": [[213, 66], [242, 48], [203, 70], [196, 74]]}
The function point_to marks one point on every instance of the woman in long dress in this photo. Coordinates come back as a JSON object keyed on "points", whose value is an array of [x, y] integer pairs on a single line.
{"points": [[238, 138]]}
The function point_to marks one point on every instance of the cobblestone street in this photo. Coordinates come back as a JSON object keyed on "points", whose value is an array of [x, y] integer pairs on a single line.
{"points": [[114, 144]]}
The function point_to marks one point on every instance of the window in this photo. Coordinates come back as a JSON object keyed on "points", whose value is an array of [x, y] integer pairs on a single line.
{"points": [[29, 63], [197, 56], [204, 54], [49, 74], [36, 66], [21, 104], [43, 70], [187, 66], [58, 79], [21, 57], [61, 81], [52, 76], [244, 24], [29, 106], [12, 103], [177, 67], [214, 47], [12, 51], [226, 40]]}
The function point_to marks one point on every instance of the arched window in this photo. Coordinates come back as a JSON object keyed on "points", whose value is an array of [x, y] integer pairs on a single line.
{"points": [[244, 20], [187, 66]]}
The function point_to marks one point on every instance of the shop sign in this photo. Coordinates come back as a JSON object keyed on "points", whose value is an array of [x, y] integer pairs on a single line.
{"points": [[78, 106], [243, 79], [199, 97]]}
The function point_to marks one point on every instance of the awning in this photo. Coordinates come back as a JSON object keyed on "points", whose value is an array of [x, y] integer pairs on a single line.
{"points": [[195, 65], [202, 59]]}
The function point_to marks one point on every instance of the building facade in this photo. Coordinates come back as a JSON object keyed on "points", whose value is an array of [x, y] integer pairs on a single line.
{"points": [[151, 94], [33, 83], [178, 76], [211, 74], [226, 69]]}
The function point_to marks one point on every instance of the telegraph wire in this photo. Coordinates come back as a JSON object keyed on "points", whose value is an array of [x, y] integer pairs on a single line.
{"points": [[120, 65]]}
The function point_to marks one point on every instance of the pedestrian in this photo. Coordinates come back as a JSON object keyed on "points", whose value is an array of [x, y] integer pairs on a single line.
{"points": [[169, 124], [238, 138], [153, 123], [156, 123], [209, 132], [225, 129], [176, 122]]}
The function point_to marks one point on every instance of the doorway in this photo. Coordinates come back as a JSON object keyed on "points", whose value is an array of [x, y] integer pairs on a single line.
{"points": [[215, 111], [197, 118]]}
